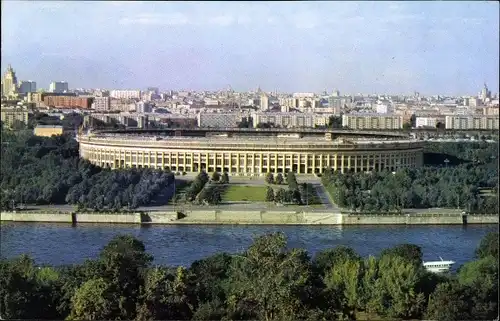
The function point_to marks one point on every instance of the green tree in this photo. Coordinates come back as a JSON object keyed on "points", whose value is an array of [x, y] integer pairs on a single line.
{"points": [[326, 259], [269, 194], [397, 289], [124, 261], [93, 301], [225, 178], [280, 196], [269, 178], [449, 302], [268, 281], [488, 246], [279, 179], [409, 252], [216, 177]]}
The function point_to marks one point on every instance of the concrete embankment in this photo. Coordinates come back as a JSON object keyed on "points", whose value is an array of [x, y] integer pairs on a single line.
{"points": [[248, 217]]}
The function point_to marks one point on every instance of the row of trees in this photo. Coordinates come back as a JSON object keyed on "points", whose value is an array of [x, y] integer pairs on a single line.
{"points": [[294, 194], [457, 187], [464, 172], [268, 281], [41, 170]]}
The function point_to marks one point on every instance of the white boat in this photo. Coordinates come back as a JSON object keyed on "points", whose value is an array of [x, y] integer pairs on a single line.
{"points": [[438, 266]]}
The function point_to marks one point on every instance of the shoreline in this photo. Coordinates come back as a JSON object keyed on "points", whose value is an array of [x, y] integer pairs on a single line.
{"points": [[218, 217]]}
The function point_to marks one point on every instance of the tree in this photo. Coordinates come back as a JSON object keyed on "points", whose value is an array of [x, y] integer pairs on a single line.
{"points": [[449, 302], [407, 126], [268, 281], [92, 301], [216, 177], [488, 246], [269, 194], [326, 259], [279, 179], [124, 261], [409, 252], [280, 196], [269, 178], [225, 178]]}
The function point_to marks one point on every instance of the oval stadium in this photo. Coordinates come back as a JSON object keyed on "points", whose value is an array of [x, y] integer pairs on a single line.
{"points": [[251, 152]]}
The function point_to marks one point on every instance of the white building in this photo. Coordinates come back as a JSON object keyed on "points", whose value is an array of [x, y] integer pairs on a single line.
{"points": [[125, 94], [58, 87], [428, 121], [264, 102], [384, 109], [101, 103]]}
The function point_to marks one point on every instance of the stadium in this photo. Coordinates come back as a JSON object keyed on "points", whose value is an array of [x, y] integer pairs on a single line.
{"points": [[251, 152]]}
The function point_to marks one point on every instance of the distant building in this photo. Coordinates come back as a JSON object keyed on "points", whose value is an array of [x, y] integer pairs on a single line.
{"points": [[143, 107], [48, 130], [67, 102], [125, 94], [27, 87], [58, 87], [9, 116], [284, 120], [101, 103], [264, 102], [9, 82], [472, 122], [372, 121], [219, 120], [428, 121]]}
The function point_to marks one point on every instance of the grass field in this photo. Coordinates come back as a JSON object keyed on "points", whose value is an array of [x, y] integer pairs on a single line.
{"points": [[235, 193]]}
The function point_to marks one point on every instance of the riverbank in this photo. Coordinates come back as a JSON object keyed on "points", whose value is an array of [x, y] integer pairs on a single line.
{"points": [[250, 218]]}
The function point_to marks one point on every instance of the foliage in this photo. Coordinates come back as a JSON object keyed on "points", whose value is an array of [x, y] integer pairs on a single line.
{"points": [[41, 170], [279, 179], [488, 246], [269, 194], [270, 178], [268, 281], [448, 187]]}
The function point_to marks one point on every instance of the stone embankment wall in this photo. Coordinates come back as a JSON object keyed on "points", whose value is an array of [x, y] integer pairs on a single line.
{"points": [[250, 217]]}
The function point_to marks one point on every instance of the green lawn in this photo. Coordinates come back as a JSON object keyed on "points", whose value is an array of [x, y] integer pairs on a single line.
{"points": [[235, 193]]}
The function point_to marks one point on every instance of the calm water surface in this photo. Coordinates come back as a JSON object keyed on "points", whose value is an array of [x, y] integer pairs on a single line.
{"points": [[58, 244]]}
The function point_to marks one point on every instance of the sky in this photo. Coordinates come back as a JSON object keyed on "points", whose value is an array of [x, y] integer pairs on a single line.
{"points": [[440, 47]]}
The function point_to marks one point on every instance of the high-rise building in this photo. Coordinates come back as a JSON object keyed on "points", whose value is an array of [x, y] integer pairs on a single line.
{"points": [[27, 87], [485, 93], [9, 82], [58, 87], [143, 107], [264, 102]]}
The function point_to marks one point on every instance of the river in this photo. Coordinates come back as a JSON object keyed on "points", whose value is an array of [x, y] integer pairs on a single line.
{"points": [[58, 244]]}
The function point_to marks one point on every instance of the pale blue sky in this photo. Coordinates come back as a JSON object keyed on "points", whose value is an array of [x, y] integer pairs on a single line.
{"points": [[395, 47]]}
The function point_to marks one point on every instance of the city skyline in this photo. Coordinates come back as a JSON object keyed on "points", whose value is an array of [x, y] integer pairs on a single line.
{"points": [[392, 47]]}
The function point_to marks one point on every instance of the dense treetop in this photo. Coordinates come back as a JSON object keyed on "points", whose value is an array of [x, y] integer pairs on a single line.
{"points": [[268, 281]]}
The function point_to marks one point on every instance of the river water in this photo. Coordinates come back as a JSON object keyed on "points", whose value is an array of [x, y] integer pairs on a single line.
{"points": [[57, 244]]}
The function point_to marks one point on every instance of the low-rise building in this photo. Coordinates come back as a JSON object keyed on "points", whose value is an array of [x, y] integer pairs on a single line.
{"points": [[472, 122], [372, 121], [67, 102], [125, 94], [428, 121], [285, 120], [10, 116], [101, 103], [48, 130], [219, 120]]}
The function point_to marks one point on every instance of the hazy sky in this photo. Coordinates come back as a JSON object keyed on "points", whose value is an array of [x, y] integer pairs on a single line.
{"points": [[395, 47]]}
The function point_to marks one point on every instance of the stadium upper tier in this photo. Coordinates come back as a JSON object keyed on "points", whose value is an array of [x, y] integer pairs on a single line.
{"points": [[244, 153]]}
